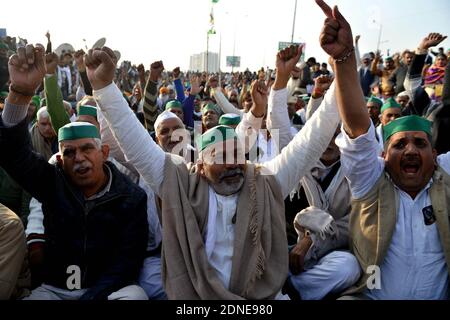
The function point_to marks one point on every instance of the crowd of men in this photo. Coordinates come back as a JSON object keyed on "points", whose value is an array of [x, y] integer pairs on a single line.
{"points": [[297, 183]]}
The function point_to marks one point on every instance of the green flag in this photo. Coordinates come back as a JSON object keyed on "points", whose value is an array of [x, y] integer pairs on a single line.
{"points": [[215, 1]]}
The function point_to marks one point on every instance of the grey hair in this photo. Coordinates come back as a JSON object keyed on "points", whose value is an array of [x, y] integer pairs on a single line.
{"points": [[97, 142], [42, 113]]}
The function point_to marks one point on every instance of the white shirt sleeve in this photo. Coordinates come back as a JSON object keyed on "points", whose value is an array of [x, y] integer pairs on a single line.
{"points": [[278, 117], [313, 104], [360, 162], [307, 147], [35, 219], [136, 143], [247, 130], [224, 104], [444, 161]]}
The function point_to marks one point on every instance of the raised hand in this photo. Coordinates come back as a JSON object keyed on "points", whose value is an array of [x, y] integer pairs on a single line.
{"points": [[259, 92], [47, 35], [336, 38], [357, 39], [432, 40], [51, 62], [321, 85], [195, 85], [79, 60], [141, 69], [323, 82], [100, 67], [286, 64], [213, 82], [156, 69], [27, 69], [176, 73]]}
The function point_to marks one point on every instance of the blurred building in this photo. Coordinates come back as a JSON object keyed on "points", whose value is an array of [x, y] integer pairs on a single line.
{"points": [[198, 62]]}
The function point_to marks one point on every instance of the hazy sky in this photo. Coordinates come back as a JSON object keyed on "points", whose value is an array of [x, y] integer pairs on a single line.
{"points": [[172, 30]]}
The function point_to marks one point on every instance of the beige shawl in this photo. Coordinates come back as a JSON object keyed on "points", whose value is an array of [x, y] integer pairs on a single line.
{"points": [[260, 256]]}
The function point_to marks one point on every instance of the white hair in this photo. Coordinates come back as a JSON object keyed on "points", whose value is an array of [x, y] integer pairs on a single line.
{"points": [[42, 114]]}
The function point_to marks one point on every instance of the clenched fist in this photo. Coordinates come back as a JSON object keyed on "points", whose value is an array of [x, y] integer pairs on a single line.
{"points": [[27, 69], [100, 67]]}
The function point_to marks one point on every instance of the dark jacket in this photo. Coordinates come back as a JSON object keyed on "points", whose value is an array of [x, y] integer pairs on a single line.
{"points": [[106, 238], [366, 79], [398, 78]]}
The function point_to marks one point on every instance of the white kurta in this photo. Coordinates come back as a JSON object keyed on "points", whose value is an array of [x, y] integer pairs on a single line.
{"points": [[414, 266]]}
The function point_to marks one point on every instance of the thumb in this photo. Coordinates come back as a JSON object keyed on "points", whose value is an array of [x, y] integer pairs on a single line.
{"points": [[340, 18]]}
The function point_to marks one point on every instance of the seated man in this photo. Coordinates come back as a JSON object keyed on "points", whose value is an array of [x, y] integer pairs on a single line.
{"points": [[399, 224], [95, 218], [223, 228], [319, 262]]}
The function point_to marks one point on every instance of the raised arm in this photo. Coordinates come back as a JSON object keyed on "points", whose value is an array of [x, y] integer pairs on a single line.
{"points": [[137, 145], [413, 81], [336, 39], [30, 170], [151, 95], [302, 153], [248, 129], [221, 100], [277, 116], [79, 60], [179, 88], [53, 95], [188, 103], [321, 85], [374, 67], [357, 52]]}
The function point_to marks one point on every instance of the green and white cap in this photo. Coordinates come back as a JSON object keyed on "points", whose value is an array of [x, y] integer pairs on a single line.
{"points": [[78, 130], [390, 103], [215, 135], [174, 104], [407, 123], [213, 107], [229, 119], [374, 99], [87, 111]]}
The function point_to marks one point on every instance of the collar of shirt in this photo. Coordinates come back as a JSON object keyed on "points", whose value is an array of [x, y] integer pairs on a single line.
{"points": [[106, 189]]}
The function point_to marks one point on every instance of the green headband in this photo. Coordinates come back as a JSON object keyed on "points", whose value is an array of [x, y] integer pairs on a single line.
{"points": [[211, 107], [374, 99], [390, 103], [174, 104], [78, 130], [3, 94], [3, 46], [229, 119], [214, 135], [87, 111], [407, 123]]}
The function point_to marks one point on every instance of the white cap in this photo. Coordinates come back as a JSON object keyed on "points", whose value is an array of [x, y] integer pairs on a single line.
{"points": [[164, 116]]}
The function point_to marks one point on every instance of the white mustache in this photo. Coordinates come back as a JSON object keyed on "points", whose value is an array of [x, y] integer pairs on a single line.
{"points": [[81, 166]]}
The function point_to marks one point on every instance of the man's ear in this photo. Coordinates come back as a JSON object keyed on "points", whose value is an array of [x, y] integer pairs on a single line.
{"points": [[105, 151], [435, 157]]}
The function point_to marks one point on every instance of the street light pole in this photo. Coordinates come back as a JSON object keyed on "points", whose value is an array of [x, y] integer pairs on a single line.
{"points": [[207, 51], [293, 22], [379, 37]]}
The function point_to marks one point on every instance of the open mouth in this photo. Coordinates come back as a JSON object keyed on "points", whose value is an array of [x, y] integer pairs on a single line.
{"points": [[411, 168]]}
